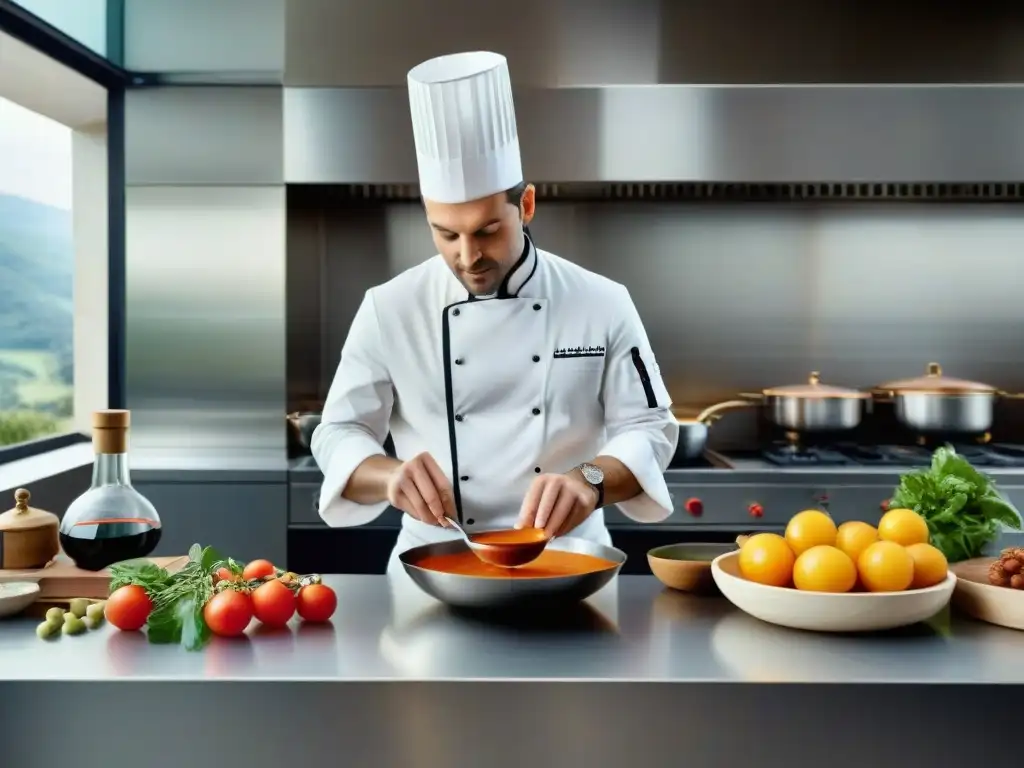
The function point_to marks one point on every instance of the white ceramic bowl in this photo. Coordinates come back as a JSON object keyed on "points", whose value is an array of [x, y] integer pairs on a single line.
{"points": [[825, 611], [16, 596]]}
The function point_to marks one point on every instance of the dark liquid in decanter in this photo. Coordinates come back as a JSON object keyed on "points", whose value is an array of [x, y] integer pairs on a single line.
{"points": [[95, 554]]}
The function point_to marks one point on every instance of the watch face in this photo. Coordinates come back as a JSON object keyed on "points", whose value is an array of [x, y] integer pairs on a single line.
{"points": [[592, 474]]}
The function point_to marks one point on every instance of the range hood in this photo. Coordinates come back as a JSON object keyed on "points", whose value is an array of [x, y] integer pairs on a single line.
{"points": [[675, 134]]}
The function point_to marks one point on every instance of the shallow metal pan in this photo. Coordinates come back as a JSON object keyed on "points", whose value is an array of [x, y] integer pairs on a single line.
{"points": [[488, 593]]}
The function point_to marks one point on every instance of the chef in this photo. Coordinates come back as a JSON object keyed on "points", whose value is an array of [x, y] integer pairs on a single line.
{"points": [[519, 388]]}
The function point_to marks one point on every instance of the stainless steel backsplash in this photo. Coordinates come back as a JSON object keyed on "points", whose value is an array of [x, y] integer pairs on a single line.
{"points": [[735, 297]]}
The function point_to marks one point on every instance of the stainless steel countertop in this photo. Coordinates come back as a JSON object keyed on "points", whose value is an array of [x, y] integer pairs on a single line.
{"points": [[657, 635]]}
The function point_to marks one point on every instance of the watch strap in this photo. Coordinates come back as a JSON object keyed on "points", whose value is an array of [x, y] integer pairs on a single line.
{"points": [[599, 486]]}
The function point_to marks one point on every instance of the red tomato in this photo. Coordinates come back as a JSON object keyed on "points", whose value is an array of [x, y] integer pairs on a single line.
{"points": [[257, 569], [273, 603], [228, 613], [316, 602], [128, 608], [223, 574]]}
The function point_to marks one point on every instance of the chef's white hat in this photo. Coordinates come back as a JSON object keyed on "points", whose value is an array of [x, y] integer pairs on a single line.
{"points": [[464, 124]]}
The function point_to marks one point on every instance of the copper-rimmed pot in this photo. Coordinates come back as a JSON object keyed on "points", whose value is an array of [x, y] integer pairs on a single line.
{"points": [[813, 407], [936, 403], [810, 407]]}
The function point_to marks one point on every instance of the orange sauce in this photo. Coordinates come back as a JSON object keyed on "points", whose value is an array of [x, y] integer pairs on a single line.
{"points": [[551, 563], [510, 537]]}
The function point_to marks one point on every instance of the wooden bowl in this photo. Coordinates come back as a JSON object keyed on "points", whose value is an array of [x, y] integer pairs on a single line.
{"points": [[977, 598], [825, 611], [687, 567]]}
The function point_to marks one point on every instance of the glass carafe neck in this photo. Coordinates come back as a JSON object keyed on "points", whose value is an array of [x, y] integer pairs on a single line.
{"points": [[110, 469]]}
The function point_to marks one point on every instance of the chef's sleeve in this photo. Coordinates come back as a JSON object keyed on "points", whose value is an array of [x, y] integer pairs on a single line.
{"points": [[355, 419], [641, 429]]}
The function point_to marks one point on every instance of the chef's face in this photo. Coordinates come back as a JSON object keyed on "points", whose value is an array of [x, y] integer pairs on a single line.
{"points": [[483, 239]]}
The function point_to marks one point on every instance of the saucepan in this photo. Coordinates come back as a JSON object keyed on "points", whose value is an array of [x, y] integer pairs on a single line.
{"points": [[693, 431], [303, 423], [939, 404], [810, 407]]}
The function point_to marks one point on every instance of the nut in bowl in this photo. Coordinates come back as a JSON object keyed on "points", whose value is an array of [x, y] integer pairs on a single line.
{"points": [[687, 567], [848, 578]]}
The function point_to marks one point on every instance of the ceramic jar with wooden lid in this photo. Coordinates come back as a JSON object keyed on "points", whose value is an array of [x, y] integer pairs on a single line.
{"points": [[28, 536]]}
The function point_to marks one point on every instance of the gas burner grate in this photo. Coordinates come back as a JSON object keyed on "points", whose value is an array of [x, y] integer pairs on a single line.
{"points": [[798, 456]]}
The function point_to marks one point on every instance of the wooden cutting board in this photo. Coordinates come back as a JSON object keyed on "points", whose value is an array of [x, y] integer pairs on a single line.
{"points": [[63, 580]]}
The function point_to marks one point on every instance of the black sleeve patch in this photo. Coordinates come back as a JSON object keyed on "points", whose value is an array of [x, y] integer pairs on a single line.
{"points": [[645, 378]]}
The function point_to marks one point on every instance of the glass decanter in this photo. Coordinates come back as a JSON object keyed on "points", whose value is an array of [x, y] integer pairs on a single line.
{"points": [[111, 521]]}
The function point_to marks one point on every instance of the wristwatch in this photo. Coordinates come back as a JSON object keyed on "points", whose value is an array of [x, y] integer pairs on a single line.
{"points": [[594, 476]]}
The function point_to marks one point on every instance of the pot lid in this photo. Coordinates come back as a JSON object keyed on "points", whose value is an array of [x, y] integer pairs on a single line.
{"points": [[23, 517], [814, 388], [935, 382]]}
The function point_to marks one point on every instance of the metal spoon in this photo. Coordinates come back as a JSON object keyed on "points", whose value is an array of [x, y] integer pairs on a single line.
{"points": [[505, 554]]}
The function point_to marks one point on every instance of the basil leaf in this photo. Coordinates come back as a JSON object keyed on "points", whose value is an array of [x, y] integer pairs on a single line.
{"points": [[164, 626], [210, 559], [194, 632]]}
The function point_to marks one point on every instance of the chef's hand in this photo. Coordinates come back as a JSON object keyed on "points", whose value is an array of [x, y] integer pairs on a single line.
{"points": [[419, 488], [557, 503]]}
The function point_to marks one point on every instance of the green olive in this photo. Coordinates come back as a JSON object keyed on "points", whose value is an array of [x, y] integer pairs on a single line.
{"points": [[55, 614], [95, 612], [79, 606], [92, 622], [47, 629], [73, 626], [69, 616]]}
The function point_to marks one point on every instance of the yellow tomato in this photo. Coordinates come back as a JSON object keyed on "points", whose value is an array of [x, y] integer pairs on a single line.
{"points": [[854, 537], [903, 526], [824, 569], [930, 565], [767, 559], [885, 567], [810, 528]]}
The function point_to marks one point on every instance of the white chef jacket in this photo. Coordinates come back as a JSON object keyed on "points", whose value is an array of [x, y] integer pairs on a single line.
{"points": [[552, 371]]}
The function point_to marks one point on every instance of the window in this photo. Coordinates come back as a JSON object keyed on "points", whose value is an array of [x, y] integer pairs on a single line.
{"points": [[83, 20], [37, 271], [55, 249]]}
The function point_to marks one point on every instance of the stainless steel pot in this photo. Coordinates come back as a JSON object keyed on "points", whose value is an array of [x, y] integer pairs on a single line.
{"points": [[810, 407], [693, 432], [939, 404], [303, 423], [814, 407]]}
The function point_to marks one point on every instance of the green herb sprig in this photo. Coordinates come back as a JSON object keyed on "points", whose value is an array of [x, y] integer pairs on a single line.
{"points": [[962, 506], [178, 598]]}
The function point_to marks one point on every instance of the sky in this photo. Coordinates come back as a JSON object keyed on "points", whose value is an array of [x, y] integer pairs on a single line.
{"points": [[35, 156]]}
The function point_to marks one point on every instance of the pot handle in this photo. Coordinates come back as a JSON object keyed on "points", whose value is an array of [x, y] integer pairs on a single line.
{"points": [[716, 411], [882, 395], [1011, 395]]}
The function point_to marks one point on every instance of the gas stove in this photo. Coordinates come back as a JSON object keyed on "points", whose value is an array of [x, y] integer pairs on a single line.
{"points": [[853, 455]]}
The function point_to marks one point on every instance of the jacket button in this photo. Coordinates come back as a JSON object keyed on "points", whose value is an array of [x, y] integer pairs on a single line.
{"points": [[536, 411], [458, 417], [464, 478], [455, 311], [536, 308], [471, 521], [537, 470], [536, 358], [458, 361]]}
